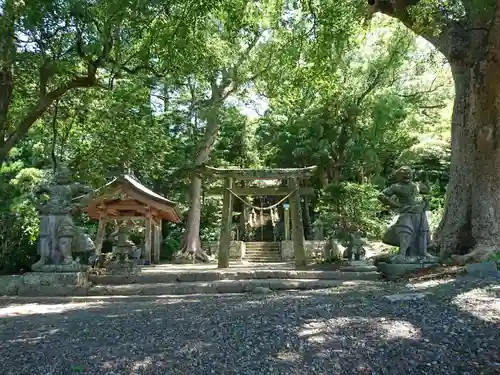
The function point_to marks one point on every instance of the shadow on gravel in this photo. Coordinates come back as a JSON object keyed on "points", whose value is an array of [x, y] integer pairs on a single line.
{"points": [[349, 330]]}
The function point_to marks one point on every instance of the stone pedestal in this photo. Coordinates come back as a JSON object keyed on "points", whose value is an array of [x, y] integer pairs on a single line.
{"points": [[129, 267], [394, 271], [482, 269], [60, 268], [237, 249], [312, 249], [36, 284]]}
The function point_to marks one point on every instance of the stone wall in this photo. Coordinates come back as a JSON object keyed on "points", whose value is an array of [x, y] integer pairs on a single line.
{"points": [[45, 284], [313, 249], [236, 248]]}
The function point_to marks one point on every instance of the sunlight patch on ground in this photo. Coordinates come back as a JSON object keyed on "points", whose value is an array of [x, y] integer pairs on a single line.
{"points": [[27, 339], [142, 365], [36, 309], [320, 332], [288, 356], [480, 304]]}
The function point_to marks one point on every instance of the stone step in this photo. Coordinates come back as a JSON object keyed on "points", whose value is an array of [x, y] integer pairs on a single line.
{"points": [[222, 286], [265, 255], [256, 252], [176, 281], [262, 245], [151, 277], [272, 251]]}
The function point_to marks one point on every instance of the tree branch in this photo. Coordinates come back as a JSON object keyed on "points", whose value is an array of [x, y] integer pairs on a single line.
{"points": [[400, 9], [47, 99]]}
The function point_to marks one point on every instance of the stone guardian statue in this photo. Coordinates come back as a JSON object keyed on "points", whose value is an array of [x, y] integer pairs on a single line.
{"points": [[58, 234], [411, 230]]}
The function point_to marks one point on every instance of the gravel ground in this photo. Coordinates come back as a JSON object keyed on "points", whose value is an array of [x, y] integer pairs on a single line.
{"points": [[354, 329]]}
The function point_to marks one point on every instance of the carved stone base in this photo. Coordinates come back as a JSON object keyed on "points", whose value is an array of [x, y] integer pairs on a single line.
{"points": [[73, 267], [114, 265], [35, 284], [118, 269]]}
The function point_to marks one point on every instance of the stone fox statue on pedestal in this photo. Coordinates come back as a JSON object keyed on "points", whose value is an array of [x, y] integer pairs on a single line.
{"points": [[58, 234], [411, 230]]}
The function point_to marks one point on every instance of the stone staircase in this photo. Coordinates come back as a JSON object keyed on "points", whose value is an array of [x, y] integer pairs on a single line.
{"points": [[262, 252], [225, 281]]}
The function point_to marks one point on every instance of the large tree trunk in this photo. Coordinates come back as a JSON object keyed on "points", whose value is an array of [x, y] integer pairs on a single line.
{"points": [[7, 56], [472, 212], [192, 245], [470, 227]]}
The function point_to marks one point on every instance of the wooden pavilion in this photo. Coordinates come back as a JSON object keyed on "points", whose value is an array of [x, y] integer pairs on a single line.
{"points": [[125, 198]]}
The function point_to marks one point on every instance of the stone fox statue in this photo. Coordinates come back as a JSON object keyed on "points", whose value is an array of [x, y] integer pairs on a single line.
{"points": [[411, 230]]}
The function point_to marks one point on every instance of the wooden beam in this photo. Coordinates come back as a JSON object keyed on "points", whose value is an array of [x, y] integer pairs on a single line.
{"points": [[261, 191], [258, 174], [122, 218], [226, 223], [118, 206]]}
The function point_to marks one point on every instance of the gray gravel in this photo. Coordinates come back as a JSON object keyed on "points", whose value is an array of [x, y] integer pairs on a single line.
{"points": [[349, 330]]}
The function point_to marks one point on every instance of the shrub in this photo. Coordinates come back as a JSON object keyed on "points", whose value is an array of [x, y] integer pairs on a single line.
{"points": [[348, 207], [19, 223], [17, 247]]}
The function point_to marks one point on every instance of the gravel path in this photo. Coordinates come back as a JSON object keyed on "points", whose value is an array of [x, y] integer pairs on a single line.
{"points": [[454, 329]]}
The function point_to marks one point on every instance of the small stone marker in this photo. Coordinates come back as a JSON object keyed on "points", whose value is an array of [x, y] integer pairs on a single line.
{"points": [[405, 297], [481, 269]]}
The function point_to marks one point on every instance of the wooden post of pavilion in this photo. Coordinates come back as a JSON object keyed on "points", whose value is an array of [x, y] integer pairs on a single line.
{"points": [[147, 238], [157, 242], [225, 230], [101, 231], [297, 226]]}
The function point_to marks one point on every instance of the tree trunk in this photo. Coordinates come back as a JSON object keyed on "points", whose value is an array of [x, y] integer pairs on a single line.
{"points": [[472, 211], [192, 243], [472, 46], [7, 57]]}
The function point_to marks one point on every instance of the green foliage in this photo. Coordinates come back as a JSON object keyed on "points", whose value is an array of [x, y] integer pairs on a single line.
{"points": [[19, 223], [348, 207], [171, 243], [353, 99], [431, 155]]}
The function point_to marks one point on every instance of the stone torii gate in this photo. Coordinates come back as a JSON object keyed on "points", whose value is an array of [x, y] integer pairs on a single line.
{"points": [[293, 190]]}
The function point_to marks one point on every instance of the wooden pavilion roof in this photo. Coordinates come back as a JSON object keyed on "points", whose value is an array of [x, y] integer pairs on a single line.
{"points": [[127, 197]]}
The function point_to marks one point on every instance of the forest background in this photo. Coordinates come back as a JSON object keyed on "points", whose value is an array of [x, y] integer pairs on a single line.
{"points": [[158, 89]]}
